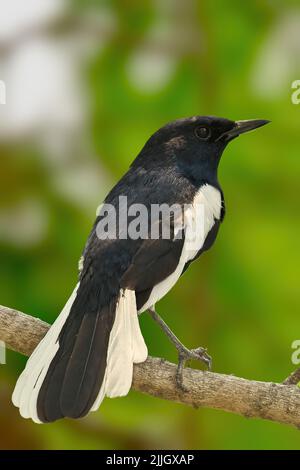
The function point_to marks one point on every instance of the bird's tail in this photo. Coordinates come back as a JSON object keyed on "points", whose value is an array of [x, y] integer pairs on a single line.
{"points": [[87, 354]]}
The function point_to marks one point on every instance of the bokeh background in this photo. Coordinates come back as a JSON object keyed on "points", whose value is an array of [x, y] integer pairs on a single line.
{"points": [[86, 84]]}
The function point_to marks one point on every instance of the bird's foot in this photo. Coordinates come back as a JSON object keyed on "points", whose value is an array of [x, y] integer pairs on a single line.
{"points": [[184, 355]]}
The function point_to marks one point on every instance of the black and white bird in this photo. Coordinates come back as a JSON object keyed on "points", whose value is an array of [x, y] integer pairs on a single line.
{"points": [[89, 351]]}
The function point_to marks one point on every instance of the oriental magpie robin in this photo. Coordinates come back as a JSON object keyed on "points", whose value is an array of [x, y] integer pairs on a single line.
{"points": [[89, 351]]}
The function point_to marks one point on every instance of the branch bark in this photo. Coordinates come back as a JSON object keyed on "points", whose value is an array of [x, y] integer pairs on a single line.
{"points": [[156, 377]]}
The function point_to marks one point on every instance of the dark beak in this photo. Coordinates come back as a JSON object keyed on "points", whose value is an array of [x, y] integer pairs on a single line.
{"points": [[241, 127]]}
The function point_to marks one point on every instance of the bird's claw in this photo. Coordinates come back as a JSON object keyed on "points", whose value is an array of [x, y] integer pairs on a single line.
{"points": [[184, 355], [202, 355]]}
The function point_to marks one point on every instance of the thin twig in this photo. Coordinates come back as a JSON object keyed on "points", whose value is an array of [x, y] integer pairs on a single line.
{"points": [[293, 378]]}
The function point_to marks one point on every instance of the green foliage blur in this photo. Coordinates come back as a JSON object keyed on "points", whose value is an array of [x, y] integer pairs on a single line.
{"points": [[159, 61]]}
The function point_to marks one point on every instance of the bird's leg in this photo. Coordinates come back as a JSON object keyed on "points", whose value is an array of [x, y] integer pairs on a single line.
{"points": [[184, 354]]}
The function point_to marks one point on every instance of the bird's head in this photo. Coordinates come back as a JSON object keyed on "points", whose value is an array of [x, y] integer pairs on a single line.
{"points": [[196, 144]]}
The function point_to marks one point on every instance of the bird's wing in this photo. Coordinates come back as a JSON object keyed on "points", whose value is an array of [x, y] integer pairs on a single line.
{"points": [[155, 258], [154, 261]]}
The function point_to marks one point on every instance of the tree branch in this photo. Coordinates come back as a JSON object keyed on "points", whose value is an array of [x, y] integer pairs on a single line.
{"points": [[156, 377]]}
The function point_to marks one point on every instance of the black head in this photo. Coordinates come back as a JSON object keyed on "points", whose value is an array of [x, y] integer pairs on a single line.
{"points": [[195, 144]]}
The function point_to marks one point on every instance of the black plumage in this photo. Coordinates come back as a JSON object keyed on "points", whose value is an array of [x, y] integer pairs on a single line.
{"points": [[175, 163]]}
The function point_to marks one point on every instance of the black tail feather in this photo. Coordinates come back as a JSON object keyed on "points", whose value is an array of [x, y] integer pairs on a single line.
{"points": [[76, 372]]}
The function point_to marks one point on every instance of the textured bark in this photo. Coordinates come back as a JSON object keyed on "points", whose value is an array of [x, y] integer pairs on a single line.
{"points": [[21, 332], [156, 377]]}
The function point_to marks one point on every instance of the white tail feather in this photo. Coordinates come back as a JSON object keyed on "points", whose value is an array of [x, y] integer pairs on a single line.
{"points": [[119, 354], [126, 347], [139, 348], [29, 383]]}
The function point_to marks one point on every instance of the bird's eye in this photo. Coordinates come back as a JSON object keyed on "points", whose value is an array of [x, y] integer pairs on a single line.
{"points": [[203, 133]]}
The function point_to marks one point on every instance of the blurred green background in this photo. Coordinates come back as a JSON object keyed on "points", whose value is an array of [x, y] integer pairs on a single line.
{"points": [[87, 83]]}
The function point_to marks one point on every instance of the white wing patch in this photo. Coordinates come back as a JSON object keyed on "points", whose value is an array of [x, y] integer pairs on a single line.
{"points": [[209, 199]]}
